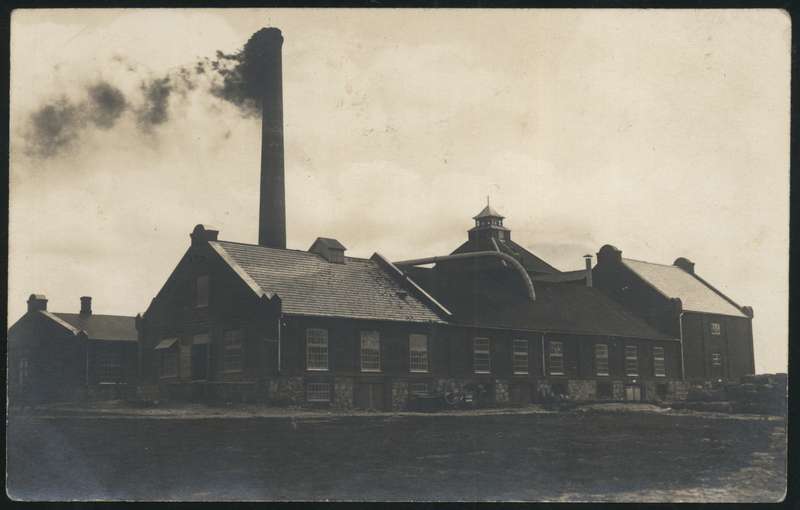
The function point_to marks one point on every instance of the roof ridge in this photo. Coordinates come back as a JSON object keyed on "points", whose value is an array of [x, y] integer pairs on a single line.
{"points": [[651, 263]]}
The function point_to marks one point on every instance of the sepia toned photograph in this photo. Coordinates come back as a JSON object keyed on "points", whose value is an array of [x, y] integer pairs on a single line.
{"points": [[468, 255]]}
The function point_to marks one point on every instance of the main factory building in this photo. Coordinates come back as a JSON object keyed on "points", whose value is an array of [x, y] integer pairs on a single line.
{"points": [[261, 322]]}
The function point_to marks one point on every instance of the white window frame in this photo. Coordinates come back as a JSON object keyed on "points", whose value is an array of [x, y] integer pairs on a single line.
{"points": [[599, 360], [520, 357], [417, 356], [659, 362], [476, 352], [318, 392], [631, 359], [370, 356], [317, 338], [555, 352], [205, 295], [716, 328]]}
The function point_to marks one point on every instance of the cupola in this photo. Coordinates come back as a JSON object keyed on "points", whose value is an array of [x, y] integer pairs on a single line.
{"points": [[489, 225]]}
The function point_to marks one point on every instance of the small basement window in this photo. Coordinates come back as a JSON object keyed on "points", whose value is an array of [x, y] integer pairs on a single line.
{"points": [[418, 389], [318, 392]]}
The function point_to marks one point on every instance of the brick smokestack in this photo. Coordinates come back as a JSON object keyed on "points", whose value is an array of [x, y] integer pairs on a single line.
{"points": [[265, 49]]}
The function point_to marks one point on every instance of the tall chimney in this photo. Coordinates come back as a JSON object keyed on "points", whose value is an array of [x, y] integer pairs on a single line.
{"points": [[588, 270], [264, 48], [86, 305]]}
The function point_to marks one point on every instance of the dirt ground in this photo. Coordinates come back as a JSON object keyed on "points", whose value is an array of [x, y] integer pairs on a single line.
{"points": [[588, 454]]}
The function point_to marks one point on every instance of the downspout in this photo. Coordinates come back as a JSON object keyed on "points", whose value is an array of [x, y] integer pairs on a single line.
{"points": [[280, 320], [544, 370], [507, 258], [680, 327]]}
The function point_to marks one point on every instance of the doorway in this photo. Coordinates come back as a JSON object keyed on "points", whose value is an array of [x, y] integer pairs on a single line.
{"points": [[633, 392], [199, 362]]}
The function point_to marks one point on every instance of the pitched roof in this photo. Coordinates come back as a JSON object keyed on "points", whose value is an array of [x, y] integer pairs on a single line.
{"points": [[578, 276], [529, 261], [102, 327], [488, 212], [674, 282], [559, 307], [307, 284]]}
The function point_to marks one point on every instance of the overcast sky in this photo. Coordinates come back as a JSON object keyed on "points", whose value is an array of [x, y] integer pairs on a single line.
{"points": [[663, 133]]}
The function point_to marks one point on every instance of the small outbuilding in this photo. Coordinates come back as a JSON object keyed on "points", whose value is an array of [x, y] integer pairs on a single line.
{"points": [[55, 356]]}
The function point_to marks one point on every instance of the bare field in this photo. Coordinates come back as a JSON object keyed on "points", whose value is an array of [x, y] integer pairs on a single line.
{"points": [[570, 456]]}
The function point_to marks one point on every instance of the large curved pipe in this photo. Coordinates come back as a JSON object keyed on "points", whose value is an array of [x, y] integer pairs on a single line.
{"points": [[475, 254]]}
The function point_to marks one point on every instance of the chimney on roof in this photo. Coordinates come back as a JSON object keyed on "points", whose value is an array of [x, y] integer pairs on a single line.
{"points": [[588, 259], [86, 305], [203, 234], [37, 302], [609, 253], [264, 47], [685, 264]]}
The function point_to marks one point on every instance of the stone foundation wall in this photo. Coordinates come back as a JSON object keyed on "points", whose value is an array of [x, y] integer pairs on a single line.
{"points": [[343, 392], [287, 391], [582, 390]]}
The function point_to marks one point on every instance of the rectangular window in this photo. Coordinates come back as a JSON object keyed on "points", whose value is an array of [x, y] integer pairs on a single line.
{"points": [[202, 291], [169, 362], [520, 356], [418, 353], [556, 358], [716, 328], [370, 351], [604, 391], [318, 392], [659, 369], [631, 360], [716, 359], [601, 359], [481, 357], [316, 349], [418, 389], [232, 358], [109, 365]]}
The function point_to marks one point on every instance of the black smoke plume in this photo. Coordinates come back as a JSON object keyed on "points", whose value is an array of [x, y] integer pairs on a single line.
{"points": [[231, 77]]}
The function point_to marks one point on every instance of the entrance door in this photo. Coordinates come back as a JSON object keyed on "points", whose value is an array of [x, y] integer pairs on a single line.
{"points": [[199, 362], [633, 393], [369, 396]]}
